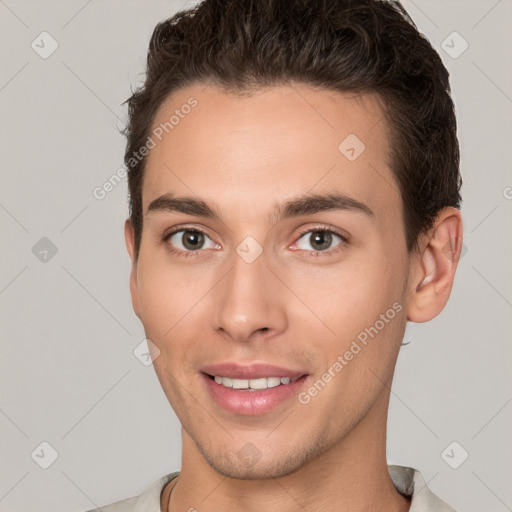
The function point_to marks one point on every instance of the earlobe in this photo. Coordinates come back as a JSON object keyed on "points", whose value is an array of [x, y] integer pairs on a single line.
{"points": [[129, 238], [433, 268]]}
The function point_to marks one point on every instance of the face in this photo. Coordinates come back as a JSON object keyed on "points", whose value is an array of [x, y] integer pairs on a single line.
{"points": [[286, 260]]}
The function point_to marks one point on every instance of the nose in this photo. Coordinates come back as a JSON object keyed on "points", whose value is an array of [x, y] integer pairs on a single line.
{"points": [[250, 301]]}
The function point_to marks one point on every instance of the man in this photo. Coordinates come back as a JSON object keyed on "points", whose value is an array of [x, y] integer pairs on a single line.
{"points": [[294, 201]]}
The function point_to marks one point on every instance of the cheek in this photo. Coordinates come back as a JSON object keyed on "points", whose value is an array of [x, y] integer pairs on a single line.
{"points": [[163, 294], [361, 304], [173, 303], [166, 299], [350, 297], [361, 354]]}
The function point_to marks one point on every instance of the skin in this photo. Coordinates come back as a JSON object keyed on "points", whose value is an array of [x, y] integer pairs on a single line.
{"points": [[244, 156]]}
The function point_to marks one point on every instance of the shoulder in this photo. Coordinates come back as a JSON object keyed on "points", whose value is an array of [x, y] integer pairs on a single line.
{"points": [[125, 505], [148, 501], [410, 482]]}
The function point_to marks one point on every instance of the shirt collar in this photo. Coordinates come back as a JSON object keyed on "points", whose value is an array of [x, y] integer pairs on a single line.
{"points": [[407, 481]]}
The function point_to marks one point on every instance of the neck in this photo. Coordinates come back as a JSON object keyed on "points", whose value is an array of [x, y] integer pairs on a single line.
{"points": [[352, 475]]}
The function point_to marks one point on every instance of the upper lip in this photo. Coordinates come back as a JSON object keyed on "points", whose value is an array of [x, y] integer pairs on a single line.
{"points": [[250, 371]]}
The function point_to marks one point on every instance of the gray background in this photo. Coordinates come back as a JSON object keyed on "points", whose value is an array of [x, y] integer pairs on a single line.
{"points": [[68, 373]]}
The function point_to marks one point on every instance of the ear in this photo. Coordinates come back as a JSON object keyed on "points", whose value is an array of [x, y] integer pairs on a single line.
{"points": [[433, 267], [129, 238]]}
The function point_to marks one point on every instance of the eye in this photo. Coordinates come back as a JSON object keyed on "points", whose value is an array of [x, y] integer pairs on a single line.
{"points": [[189, 242], [319, 240], [186, 240]]}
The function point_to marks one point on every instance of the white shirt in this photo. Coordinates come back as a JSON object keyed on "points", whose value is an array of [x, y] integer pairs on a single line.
{"points": [[408, 482]]}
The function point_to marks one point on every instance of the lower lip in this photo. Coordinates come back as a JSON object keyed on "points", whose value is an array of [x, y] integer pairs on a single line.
{"points": [[251, 403]]}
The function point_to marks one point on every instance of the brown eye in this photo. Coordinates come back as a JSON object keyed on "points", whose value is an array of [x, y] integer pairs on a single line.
{"points": [[192, 240], [318, 240], [187, 240]]}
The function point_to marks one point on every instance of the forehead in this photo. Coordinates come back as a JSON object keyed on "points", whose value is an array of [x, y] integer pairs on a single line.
{"points": [[258, 149]]}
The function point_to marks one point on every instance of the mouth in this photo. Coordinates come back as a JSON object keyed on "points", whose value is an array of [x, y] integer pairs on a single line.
{"points": [[259, 384], [253, 389]]}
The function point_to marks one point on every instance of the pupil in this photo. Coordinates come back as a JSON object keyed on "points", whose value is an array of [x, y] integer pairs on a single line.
{"points": [[192, 239], [322, 238]]}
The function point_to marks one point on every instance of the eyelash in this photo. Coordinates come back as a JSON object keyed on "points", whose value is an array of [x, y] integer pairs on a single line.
{"points": [[313, 254]]}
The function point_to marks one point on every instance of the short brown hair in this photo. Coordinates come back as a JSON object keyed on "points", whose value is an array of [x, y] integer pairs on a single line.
{"points": [[344, 45]]}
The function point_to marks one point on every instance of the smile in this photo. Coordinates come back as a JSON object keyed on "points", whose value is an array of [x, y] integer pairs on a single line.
{"points": [[253, 384]]}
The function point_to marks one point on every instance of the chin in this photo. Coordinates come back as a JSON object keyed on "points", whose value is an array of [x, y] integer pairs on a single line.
{"points": [[259, 471], [249, 463]]}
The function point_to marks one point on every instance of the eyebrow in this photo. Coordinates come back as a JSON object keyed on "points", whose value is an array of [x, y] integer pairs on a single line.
{"points": [[301, 205]]}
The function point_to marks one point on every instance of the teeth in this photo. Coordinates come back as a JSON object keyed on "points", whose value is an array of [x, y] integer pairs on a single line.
{"points": [[257, 383], [272, 382], [240, 384], [262, 383]]}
